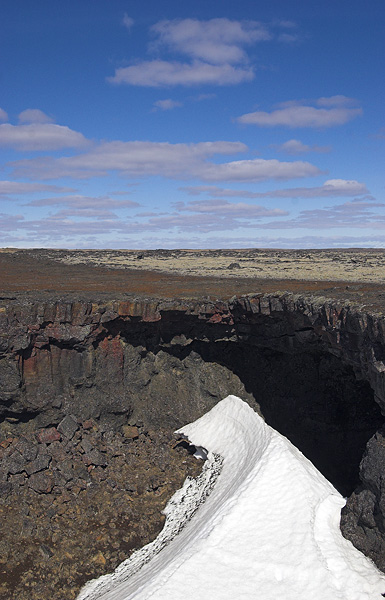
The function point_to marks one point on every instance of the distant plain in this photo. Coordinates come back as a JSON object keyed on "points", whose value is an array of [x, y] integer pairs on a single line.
{"points": [[353, 275]]}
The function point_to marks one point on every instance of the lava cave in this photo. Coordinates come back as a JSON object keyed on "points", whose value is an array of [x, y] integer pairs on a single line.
{"points": [[313, 370]]}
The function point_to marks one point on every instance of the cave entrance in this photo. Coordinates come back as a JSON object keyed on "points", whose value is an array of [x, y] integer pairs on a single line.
{"points": [[313, 399], [168, 373]]}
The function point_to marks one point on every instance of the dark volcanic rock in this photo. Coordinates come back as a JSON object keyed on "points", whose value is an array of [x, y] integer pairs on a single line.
{"points": [[71, 523], [40, 463], [48, 435], [363, 518], [71, 369], [41, 482], [68, 426], [15, 463], [27, 448]]}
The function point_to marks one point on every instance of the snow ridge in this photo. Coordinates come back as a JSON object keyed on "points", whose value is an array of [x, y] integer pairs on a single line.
{"points": [[179, 510], [268, 529]]}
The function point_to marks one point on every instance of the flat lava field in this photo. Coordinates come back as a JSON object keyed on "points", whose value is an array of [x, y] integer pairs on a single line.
{"points": [[353, 275]]}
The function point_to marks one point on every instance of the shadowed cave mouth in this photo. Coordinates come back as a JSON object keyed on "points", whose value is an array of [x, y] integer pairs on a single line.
{"points": [[167, 376], [313, 399]]}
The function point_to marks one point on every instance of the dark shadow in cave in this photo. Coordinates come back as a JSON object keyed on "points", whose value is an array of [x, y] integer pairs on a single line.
{"points": [[311, 398]]}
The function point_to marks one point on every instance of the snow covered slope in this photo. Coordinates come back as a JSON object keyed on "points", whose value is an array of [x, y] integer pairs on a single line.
{"points": [[268, 529]]}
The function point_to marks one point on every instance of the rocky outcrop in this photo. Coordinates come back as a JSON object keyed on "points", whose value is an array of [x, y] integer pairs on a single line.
{"points": [[314, 367], [77, 501], [58, 352], [362, 519]]}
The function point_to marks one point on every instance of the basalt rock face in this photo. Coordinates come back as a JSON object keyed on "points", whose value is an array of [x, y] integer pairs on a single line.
{"points": [[313, 368]]}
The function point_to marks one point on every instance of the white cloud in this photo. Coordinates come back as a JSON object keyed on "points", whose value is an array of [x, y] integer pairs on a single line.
{"points": [[297, 147], [86, 216], [159, 73], [216, 51], [84, 213], [167, 104], [353, 213], [293, 114], [152, 158], [280, 242], [188, 231], [128, 21], [285, 23], [9, 224], [3, 115], [290, 33], [133, 158], [331, 188], [211, 215], [34, 115], [48, 167], [345, 187], [40, 136], [217, 41], [288, 38], [221, 215], [61, 225], [338, 100], [224, 208], [164, 159], [16, 187], [195, 222], [80, 202], [258, 169]]}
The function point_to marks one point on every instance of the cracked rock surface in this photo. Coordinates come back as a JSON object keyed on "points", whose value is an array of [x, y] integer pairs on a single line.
{"points": [[74, 504]]}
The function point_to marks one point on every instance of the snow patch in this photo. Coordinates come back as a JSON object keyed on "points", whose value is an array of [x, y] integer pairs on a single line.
{"points": [[259, 522]]}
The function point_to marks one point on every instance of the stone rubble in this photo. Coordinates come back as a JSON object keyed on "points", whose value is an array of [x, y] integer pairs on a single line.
{"points": [[75, 501]]}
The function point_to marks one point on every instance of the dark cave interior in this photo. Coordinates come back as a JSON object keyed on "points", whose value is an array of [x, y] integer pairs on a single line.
{"points": [[309, 395], [313, 399], [170, 374]]}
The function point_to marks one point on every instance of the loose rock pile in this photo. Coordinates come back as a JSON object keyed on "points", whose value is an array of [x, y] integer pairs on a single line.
{"points": [[76, 500]]}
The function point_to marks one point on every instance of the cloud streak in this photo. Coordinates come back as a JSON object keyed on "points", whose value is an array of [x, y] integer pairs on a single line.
{"points": [[167, 104], [40, 136], [185, 161], [16, 187], [297, 115], [215, 49], [128, 22], [258, 169], [294, 147], [224, 208], [34, 115], [84, 202], [3, 115], [160, 73], [217, 41], [331, 188], [353, 214], [197, 217]]}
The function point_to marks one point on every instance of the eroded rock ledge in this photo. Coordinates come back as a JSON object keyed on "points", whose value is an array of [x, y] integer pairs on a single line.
{"points": [[314, 367]]}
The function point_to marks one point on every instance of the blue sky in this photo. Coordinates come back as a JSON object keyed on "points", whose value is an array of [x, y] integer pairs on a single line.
{"points": [[127, 124]]}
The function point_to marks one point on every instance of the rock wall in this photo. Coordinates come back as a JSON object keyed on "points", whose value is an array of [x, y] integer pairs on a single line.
{"points": [[314, 367]]}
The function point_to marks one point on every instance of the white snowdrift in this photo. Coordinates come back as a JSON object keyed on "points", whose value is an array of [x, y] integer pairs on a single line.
{"points": [[269, 528]]}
